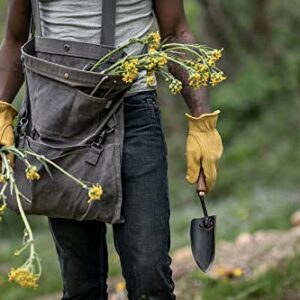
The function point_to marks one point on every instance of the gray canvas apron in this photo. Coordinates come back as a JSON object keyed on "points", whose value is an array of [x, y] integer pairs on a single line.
{"points": [[61, 120]]}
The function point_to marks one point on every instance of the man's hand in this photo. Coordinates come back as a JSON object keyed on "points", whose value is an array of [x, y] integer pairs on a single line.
{"points": [[7, 115], [203, 149]]}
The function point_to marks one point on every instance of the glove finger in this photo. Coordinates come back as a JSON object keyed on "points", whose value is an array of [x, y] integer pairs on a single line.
{"points": [[7, 136], [193, 156], [219, 146], [210, 173]]}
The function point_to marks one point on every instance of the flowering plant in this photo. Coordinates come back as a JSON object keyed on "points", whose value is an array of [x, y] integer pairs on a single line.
{"points": [[199, 61], [29, 273]]}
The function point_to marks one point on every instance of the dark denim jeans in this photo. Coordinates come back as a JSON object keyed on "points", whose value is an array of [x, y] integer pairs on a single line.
{"points": [[143, 241]]}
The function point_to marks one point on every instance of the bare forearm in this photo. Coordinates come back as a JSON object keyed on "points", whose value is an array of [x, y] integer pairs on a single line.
{"points": [[15, 35], [196, 99], [11, 75]]}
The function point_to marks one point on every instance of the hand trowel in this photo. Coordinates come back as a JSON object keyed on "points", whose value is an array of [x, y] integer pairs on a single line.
{"points": [[202, 233]]}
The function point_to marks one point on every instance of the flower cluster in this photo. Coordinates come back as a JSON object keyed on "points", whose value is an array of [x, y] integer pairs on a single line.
{"points": [[2, 210], [154, 60], [3, 178], [24, 277], [198, 61], [129, 70], [153, 40], [95, 192], [151, 80], [229, 272], [217, 78], [214, 56], [175, 85], [32, 173]]}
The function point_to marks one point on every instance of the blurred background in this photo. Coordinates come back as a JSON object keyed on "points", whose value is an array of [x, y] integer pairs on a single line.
{"points": [[256, 197]]}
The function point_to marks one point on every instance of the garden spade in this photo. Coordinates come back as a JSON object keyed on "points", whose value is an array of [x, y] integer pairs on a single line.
{"points": [[202, 232]]}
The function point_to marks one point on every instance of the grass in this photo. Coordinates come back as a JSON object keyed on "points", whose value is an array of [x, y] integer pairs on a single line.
{"points": [[281, 283], [276, 284]]}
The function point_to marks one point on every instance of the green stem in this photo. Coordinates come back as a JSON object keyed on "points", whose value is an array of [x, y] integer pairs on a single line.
{"points": [[23, 215], [171, 45], [189, 50], [57, 167], [3, 197], [7, 168], [115, 65], [181, 64], [108, 55], [18, 252]]}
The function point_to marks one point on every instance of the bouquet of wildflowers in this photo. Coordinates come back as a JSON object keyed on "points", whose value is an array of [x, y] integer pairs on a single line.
{"points": [[199, 61]]}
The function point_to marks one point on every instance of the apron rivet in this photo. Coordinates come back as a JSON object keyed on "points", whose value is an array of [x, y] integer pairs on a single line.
{"points": [[66, 47], [66, 75]]}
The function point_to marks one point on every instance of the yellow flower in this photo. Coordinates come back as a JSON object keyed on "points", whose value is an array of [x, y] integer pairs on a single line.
{"points": [[237, 272], [196, 80], [120, 287], [175, 86], [130, 70], [95, 193], [221, 272], [162, 59], [202, 68], [32, 173], [154, 60], [217, 78], [128, 77], [23, 277], [3, 178], [2, 210], [214, 56], [229, 272], [3, 207], [152, 51], [153, 40], [151, 81]]}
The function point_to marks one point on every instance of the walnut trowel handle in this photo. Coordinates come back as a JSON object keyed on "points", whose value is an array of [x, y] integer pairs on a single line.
{"points": [[201, 189], [201, 185]]}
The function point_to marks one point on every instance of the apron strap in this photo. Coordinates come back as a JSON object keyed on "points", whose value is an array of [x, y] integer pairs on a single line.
{"points": [[108, 21], [35, 19]]}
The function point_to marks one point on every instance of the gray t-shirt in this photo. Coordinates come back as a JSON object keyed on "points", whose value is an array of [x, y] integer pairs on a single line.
{"points": [[80, 20]]}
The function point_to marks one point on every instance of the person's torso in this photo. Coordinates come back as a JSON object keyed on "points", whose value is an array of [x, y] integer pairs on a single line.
{"points": [[79, 20]]}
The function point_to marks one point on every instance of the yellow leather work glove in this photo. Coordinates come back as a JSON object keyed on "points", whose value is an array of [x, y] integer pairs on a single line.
{"points": [[203, 148], [7, 115]]}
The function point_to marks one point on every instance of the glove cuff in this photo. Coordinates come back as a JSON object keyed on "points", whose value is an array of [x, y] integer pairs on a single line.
{"points": [[7, 107], [206, 122]]}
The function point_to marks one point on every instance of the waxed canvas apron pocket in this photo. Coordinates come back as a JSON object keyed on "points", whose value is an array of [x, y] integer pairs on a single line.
{"points": [[83, 134], [74, 160], [62, 110]]}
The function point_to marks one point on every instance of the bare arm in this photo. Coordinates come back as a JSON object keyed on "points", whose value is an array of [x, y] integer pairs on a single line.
{"points": [[173, 25], [15, 35]]}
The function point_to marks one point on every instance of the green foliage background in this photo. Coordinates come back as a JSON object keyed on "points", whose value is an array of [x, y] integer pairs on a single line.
{"points": [[257, 186]]}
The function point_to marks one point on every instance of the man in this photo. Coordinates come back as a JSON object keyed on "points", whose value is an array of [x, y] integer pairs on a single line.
{"points": [[143, 241]]}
